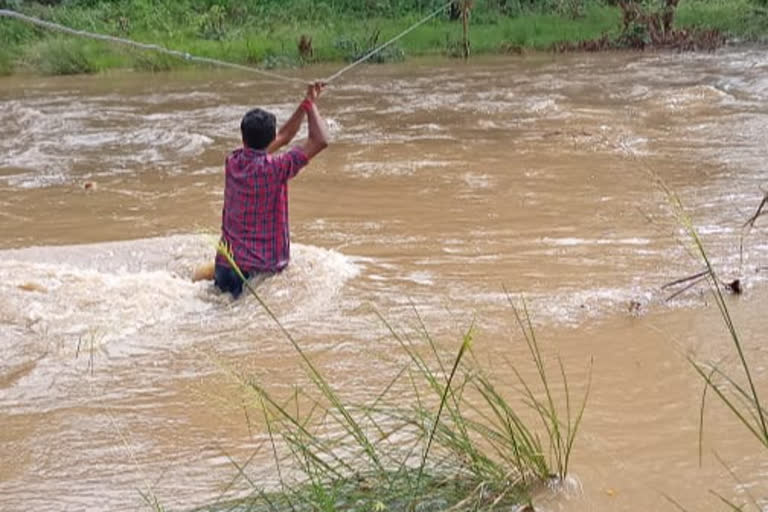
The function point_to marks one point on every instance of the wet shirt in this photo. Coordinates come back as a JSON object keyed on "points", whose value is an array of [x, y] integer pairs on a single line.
{"points": [[255, 214]]}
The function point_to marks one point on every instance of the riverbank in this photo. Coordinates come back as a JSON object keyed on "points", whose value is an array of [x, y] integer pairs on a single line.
{"points": [[270, 38]]}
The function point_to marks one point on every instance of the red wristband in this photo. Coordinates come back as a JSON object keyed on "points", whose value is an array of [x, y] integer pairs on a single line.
{"points": [[307, 105]]}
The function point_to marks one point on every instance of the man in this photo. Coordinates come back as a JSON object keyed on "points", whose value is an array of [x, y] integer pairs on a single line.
{"points": [[255, 215]]}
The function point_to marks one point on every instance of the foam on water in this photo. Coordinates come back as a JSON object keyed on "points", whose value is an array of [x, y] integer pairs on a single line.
{"points": [[395, 168], [688, 98], [64, 301], [118, 292], [110, 134], [88, 133], [573, 241], [307, 289], [115, 306]]}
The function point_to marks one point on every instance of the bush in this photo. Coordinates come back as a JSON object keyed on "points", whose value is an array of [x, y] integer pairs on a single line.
{"points": [[352, 49], [61, 57], [6, 63], [154, 62]]}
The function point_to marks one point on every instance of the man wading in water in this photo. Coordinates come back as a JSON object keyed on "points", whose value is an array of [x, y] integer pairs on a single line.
{"points": [[254, 221]]}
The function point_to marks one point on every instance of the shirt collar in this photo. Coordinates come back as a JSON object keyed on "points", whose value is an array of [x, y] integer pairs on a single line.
{"points": [[255, 152]]}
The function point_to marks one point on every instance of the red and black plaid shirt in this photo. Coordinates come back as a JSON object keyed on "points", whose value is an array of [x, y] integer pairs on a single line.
{"points": [[255, 215]]}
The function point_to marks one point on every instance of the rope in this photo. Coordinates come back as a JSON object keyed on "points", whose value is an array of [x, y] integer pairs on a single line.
{"points": [[388, 43], [207, 60]]}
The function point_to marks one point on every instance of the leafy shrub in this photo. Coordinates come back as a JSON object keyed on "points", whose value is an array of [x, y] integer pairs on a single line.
{"points": [[61, 57], [154, 62], [6, 63], [211, 24], [352, 49], [273, 61]]}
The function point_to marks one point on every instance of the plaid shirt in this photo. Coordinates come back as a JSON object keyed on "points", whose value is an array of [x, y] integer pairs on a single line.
{"points": [[254, 219]]}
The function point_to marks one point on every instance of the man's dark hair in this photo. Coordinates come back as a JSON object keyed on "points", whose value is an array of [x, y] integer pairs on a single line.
{"points": [[258, 128]]}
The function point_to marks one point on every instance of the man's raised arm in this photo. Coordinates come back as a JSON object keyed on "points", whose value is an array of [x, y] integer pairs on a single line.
{"points": [[288, 131], [318, 128]]}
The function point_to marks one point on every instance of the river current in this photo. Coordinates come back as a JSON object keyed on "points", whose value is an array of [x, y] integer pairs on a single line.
{"points": [[447, 188]]}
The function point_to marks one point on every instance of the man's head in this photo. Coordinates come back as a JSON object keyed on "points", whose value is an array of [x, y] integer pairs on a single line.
{"points": [[258, 128]]}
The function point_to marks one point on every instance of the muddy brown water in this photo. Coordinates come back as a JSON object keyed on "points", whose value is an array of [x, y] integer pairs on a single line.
{"points": [[445, 184]]}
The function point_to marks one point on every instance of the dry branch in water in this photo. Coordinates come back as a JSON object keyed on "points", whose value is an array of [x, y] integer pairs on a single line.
{"points": [[691, 281]]}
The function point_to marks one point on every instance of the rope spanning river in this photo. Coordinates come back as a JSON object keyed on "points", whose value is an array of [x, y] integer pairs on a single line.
{"points": [[446, 183]]}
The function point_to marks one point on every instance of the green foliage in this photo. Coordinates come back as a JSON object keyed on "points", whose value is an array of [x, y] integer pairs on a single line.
{"points": [[61, 57], [275, 61], [744, 19], [353, 49], [635, 36], [14, 32], [6, 63], [266, 32], [212, 23], [154, 62]]}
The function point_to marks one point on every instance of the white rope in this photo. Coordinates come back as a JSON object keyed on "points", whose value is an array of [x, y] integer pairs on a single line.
{"points": [[388, 43], [207, 60]]}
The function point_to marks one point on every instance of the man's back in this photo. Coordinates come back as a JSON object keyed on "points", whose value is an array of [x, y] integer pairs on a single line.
{"points": [[255, 213]]}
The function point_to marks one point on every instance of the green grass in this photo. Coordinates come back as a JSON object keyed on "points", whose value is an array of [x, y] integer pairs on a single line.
{"points": [[742, 19], [266, 32], [6, 62], [541, 31], [155, 62], [441, 434], [63, 56]]}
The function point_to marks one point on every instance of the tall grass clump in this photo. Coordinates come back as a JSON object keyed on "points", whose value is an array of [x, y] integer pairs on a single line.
{"points": [[61, 56], [155, 62], [442, 434], [737, 392], [6, 63], [267, 31], [736, 389], [744, 19]]}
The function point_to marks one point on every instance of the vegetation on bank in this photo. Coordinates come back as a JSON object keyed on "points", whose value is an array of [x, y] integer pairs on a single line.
{"points": [[267, 32]]}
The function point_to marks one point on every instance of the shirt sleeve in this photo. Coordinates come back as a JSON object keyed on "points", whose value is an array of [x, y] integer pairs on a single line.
{"points": [[291, 162]]}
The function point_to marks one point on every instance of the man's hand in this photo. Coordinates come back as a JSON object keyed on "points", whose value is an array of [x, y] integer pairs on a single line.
{"points": [[318, 135], [318, 128], [314, 90], [289, 130]]}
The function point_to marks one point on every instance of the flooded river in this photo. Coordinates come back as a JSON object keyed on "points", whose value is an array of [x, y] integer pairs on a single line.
{"points": [[445, 184]]}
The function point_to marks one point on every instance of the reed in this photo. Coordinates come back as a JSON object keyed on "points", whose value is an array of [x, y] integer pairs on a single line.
{"points": [[562, 425], [60, 56], [460, 441], [155, 62], [736, 389], [6, 62]]}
